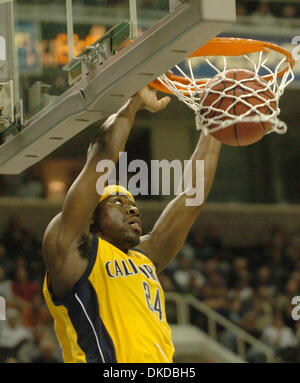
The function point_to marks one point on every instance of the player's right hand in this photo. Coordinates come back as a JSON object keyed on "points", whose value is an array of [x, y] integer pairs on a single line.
{"points": [[150, 101]]}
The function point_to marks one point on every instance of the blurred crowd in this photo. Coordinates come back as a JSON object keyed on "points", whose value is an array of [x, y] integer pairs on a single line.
{"points": [[157, 4], [268, 10], [278, 8], [26, 185], [27, 335], [252, 287]]}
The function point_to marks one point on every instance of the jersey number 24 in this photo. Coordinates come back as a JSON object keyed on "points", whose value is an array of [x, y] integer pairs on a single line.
{"points": [[156, 306]]}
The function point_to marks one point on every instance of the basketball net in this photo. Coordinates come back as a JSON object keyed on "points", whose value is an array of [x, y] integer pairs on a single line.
{"points": [[193, 92]]}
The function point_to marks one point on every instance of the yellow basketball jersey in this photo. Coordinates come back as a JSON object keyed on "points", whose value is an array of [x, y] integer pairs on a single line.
{"points": [[115, 313]]}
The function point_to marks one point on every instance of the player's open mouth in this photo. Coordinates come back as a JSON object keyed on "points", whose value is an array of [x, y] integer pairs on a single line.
{"points": [[135, 225]]}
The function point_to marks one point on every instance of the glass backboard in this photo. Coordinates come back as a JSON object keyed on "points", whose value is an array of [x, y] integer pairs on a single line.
{"points": [[65, 64], [44, 45]]}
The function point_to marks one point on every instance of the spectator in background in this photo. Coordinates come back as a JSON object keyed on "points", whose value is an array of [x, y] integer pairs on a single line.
{"points": [[188, 252], [36, 314], [5, 286], [208, 245], [214, 293], [185, 273], [237, 271], [24, 290], [32, 187], [19, 241], [279, 336], [289, 11], [250, 5], [263, 15], [19, 342], [241, 9], [298, 339], [256, 318], [13, 335], [13, 237], [5, 261], [242, 288], [291, 290], [167, 282], [265, 296], [30, 351], [272, 254], [293, 254], [234, 308], [209, 268], [264, 278], [47, 352]]}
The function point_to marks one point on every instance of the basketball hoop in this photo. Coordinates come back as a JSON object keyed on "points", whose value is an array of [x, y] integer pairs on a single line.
{"points": [[194, 91]]}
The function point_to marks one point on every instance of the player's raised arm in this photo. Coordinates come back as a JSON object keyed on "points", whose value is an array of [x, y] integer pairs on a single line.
{"points": [[66, 230], [171, 229], [83, 196]]}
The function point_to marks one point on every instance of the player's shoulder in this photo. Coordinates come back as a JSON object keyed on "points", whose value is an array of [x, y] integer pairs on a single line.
{"points": [[50, 235], [50, 251]]}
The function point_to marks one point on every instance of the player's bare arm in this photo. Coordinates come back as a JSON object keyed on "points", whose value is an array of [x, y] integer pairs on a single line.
{"points": [[65, 232], [171, 229]]}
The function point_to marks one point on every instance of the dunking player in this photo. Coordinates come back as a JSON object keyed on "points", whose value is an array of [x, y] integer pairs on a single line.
{"points": [[101, 285]]}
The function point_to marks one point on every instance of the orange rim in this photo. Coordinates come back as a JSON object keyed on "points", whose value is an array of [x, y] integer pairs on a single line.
{"points": [[228, 46]]}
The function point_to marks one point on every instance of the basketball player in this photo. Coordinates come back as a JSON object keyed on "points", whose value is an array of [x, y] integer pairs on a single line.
{"points": [[101, 285]]}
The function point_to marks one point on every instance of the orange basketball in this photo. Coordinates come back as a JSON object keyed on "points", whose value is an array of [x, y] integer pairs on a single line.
{"points": [[241, 133]]}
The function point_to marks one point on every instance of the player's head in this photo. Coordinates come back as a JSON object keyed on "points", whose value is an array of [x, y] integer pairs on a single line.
{"points": [[117, 219]]}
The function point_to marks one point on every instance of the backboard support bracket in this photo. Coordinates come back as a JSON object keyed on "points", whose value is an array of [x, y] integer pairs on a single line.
{"points": [[99, 52]]}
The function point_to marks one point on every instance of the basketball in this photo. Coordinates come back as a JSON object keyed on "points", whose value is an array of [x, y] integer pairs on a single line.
{"points": [[241, 133]]}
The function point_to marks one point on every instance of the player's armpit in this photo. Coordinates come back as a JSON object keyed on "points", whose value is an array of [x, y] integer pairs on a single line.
{"points": [[64, 268]]}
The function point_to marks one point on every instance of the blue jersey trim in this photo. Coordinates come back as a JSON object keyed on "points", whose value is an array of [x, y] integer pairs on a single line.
{"points": [[92, 336], [140, 251], [83, 310]]}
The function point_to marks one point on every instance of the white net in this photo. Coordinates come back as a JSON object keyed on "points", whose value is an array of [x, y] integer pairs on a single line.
{"points": [[209, 117]]}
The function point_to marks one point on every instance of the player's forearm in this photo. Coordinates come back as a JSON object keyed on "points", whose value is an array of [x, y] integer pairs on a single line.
{"points": [[114, 132], [210, 157], [207, 150]]}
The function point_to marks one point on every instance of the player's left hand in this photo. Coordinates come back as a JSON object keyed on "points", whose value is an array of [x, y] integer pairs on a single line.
{"points": [[150, 101]]}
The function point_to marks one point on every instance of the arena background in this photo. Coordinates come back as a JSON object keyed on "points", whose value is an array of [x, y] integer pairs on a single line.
{"points": [[241, 260]]}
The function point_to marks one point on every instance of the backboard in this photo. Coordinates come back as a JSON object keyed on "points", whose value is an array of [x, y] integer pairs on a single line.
{"points": [[65, 64]]}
